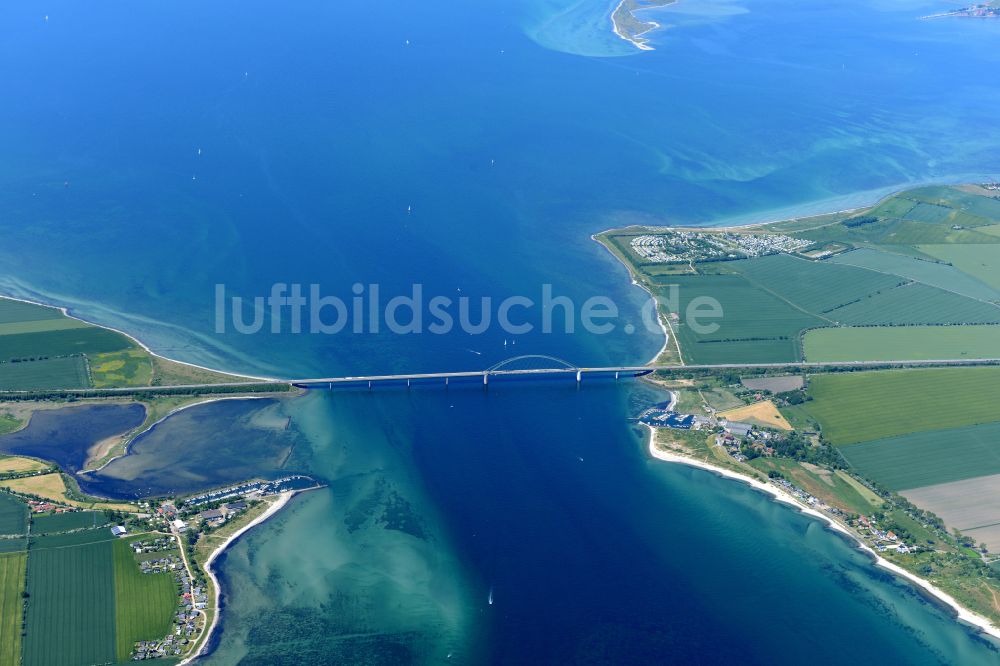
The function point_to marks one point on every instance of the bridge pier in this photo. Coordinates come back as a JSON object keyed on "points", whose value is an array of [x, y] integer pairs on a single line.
{"points": [[407, 383], [369, 385], [445, 381], [579, 376], [616, 375]]}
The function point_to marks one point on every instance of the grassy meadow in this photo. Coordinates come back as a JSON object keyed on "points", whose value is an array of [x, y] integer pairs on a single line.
{"points": [[833, 488]]}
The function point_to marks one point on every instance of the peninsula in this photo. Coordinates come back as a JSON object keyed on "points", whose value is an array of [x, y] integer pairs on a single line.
{"points": [[630, 28], [899, 458]]}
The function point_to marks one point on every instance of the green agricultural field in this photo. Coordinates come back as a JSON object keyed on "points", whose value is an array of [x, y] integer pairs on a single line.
{"points": [[916, 303], [13, 515], [41, 326], [957, 199], [63, 522], [863, 406], [71, 609], [81, 538], [931, 273], [15, 311], [90, 340], [928, 458], [14, 545], [897, 343], [816, 287], [756, 326], [144, 603], [12, 569], [979, 261], [51, 373], [923, 215], [767, 302]]}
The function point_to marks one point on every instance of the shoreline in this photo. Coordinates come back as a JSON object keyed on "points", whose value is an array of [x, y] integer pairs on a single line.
{"points": [[787, 215], [641, 45], [668, 331], [665, 327], [961, 613], [636, 39], [270, 512], [65, 311]]}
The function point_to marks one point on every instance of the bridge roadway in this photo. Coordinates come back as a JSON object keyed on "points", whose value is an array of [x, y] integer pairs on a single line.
{"points": [[627, 370], [485, 375]]}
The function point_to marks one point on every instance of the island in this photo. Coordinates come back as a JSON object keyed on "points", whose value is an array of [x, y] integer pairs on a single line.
{"points": [[853, 372], [630, 28], [978, 10]]}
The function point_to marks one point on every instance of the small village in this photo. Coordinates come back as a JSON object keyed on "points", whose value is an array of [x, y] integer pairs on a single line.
{"points": [[743, 441], [673, 247]]}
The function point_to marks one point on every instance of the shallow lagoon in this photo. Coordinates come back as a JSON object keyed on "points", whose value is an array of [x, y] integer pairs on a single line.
{"points": [[198, 448], [65, 435]]}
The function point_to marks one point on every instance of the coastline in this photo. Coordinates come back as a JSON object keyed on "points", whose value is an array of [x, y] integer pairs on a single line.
{"points": [[276, 506], [961, 613], [872, 198], [668, 331], [65, 311], [639, 44]]}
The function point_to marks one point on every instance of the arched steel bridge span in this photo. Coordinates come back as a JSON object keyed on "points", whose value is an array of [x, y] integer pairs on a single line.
{"points": [[552, 367]]}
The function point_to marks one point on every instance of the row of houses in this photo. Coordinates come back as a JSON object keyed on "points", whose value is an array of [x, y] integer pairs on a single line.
{"points": [[883, 540]]}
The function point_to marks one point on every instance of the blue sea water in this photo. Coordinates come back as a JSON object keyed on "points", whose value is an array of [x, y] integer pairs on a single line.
{"points": [[472, 148]]}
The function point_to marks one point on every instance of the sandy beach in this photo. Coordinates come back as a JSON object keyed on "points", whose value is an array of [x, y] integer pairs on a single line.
{"points": [[965, 615], [65, 311], [275, 507], [635, 39]]}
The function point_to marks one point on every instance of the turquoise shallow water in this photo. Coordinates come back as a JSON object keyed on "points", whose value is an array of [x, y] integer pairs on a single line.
{"points": [[319, 127]]}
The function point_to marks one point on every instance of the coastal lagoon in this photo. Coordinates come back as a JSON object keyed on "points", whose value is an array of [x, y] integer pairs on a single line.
{"points": [[201, 447], [457, 148], [65, 436]]}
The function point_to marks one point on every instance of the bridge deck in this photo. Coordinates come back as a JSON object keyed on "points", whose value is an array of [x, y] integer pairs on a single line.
{"points": [[631, 370]]}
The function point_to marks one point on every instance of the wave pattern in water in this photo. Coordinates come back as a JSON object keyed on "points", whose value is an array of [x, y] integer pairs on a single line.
{"points": [[580, 27]]}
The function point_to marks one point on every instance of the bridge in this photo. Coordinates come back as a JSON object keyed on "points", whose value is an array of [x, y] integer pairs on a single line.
{"points": [[551, 367], [558, 367], [555, 367]]}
